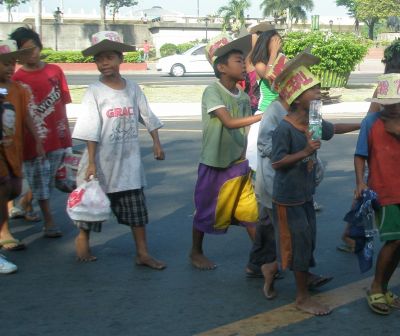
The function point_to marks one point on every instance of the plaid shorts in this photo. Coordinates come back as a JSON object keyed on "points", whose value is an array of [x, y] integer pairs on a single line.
{"points": [[41, 173], [129, 207]]}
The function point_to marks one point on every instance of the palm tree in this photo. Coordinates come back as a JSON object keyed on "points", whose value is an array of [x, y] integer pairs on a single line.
{"points": [[233, 14], [297, 9]]}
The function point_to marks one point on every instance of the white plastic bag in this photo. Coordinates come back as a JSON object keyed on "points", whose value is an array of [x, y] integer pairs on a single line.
{"points": [[88, 203]]}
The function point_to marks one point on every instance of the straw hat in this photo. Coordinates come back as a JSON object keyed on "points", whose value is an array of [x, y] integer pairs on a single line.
{"points": [[388, 92], [223, 43], [258, 28], [107, 41], [9, 51]]}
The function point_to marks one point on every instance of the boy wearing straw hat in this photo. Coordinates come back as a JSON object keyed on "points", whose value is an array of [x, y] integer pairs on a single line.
{"points": [[15, 102], [379, 145], [223, 193], [113, 107], [294, 158]]}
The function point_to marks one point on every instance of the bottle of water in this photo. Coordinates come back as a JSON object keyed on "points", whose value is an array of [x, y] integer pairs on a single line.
{"points": [[369, 225], [315, 119]]}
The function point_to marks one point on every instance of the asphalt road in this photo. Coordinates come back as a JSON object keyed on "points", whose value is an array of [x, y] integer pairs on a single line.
{"points": [[158, 79], [54, 295]]}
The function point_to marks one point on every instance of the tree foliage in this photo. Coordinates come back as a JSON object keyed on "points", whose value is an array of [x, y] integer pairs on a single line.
{"points": [[10, 4], [114, 5], [233, 14], [278, 8]]}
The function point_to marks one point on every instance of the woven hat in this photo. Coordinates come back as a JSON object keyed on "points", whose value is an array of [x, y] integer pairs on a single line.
{"points": [[295, 77], [107, 41], [257, 28], [9, 51], [223, 43], [388, 91]]}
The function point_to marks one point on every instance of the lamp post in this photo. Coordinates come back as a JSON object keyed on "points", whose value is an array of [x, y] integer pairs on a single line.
{"points": [[57, 20], [331, 24], [206, 20]]}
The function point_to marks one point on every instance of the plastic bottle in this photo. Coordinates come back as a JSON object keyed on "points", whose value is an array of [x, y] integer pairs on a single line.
{"points": [[315, 119]]}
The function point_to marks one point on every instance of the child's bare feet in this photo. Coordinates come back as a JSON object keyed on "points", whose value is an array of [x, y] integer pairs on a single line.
{"points": [[82, 250], [310, 306], [149, 261], [200, 261], [269, 271]]}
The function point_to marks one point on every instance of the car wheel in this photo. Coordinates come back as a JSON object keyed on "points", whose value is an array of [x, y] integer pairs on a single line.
{"points": [[178, 70]]}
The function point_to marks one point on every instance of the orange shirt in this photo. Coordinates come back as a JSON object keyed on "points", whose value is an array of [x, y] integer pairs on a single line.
{"points": [[16, 107]]}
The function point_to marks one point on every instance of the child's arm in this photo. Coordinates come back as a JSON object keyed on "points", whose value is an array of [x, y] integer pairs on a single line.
{"points": [[274, 46], [359, 166], [346, 128], [29, 124], [290, 159], [223, 115], [157, 148], [91, 169]]}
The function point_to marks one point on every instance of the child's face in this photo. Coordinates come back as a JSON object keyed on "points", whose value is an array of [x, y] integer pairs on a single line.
{"points": [[7, 69], [108, 63], [313, 93], [34, 57], [235, 67], [391, 111]]}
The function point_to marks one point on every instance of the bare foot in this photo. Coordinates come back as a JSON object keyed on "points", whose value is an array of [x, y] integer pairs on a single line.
{"points": [[200, 261], [149, 261], [310, 306], [269, 271], [83, 251]]}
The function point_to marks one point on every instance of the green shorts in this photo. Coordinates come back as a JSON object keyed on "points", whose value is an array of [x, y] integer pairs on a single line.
{"points": [[388, 222]]}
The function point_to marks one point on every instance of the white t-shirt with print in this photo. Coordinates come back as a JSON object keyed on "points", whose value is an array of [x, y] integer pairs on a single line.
{"points": [[110, 118]]}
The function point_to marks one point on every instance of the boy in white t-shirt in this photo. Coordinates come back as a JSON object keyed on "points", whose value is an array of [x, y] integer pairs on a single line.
{"points": [[113, 107]]}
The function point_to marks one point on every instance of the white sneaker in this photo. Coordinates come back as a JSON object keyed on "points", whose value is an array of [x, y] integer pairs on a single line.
{"points": [[6, 267]]}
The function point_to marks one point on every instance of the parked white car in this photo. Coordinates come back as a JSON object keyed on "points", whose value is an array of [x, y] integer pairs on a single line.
{"points": [[191, 61]]}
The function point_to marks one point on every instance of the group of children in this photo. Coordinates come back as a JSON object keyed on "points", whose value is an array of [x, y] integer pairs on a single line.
{"points": [[224, 194]]}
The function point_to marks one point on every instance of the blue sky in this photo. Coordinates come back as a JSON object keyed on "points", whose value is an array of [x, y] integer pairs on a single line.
{"points": [[189, 7]]}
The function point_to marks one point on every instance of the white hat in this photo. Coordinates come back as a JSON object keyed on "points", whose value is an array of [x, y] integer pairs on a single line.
{"points": [[107, 41], [388, 92]]}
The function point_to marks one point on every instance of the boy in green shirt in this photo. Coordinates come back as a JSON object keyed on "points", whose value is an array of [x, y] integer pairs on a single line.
{"points": [[223, 193]]}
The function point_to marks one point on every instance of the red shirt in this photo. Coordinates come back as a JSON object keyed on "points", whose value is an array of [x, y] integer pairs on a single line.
{"points": [[50, 92]]}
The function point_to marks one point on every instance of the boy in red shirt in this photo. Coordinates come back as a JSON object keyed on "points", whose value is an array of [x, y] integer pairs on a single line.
{"points": [[51, 94]]}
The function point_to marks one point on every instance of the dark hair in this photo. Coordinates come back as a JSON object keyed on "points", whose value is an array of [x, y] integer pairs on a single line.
{"points": [[260, 52], [22, 34], [224, 60], [391, 57]]}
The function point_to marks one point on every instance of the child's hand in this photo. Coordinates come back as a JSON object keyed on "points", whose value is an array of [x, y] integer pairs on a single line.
{"points": [[312, 145], [90, 171], [275, 45], [359, 190], [158, 152]]}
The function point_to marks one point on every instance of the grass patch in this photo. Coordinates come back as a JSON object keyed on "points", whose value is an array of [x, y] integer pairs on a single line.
{"points": [[193, 93]]}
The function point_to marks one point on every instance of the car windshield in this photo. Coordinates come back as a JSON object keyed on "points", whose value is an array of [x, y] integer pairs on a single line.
{"points": [[191, 50]]}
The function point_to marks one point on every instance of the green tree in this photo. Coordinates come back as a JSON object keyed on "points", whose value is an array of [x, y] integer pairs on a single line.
{"points": [[371, 11], [114, 5], [233, 14], [277, 8], [10, 4]]}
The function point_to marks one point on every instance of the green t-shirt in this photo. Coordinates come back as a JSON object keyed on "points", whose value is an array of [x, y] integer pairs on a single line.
{"points": [[222, 146], [267, 95]]}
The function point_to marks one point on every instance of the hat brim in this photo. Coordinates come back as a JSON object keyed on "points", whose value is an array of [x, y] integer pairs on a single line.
{"points": [[384, 101], [304, 58], [261, 27], [18, 55], [242, 43], [107, 45]]}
